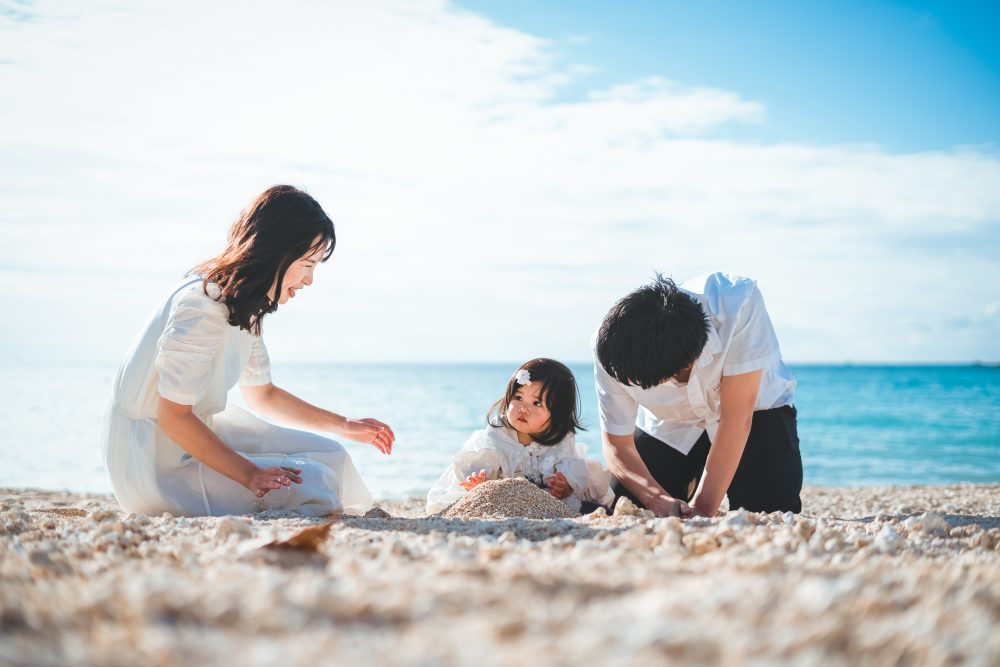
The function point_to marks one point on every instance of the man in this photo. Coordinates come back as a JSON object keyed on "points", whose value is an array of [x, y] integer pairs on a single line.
{"points": [[695, 402]]}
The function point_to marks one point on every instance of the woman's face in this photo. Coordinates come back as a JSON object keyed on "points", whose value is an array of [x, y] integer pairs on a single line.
{"points": [[299, 274], [526, 412]]}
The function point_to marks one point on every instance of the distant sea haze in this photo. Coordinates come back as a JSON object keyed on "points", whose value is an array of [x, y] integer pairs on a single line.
{"points": [[858, 425]]}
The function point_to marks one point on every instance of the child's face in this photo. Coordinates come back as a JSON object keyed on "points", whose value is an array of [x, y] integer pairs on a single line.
{"points": [[526, 412]]}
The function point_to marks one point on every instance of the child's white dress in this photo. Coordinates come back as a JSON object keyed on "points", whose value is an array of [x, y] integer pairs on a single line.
{"points": [[498, 451], [190, 354]]}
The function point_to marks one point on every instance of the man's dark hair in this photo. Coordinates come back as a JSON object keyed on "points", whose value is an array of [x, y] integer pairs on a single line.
{"points": [[651, 334]]}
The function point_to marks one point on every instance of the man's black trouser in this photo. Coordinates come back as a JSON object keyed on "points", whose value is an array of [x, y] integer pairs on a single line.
{"points": [[768, 479]]}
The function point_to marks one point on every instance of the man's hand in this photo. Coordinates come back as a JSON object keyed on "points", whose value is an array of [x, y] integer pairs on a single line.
{"points": [[664, 505], [626, 464], [692, 512]]}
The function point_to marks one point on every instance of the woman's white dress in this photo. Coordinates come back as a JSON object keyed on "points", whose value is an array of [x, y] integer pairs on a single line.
{"points": [[498, 451], [189, 354]]}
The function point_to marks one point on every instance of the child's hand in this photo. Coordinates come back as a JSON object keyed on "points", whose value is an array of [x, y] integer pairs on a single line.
{"points": [[473, 480], [558, 486]]}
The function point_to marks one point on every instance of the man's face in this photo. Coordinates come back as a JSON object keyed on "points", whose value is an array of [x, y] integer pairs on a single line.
{"points": [[681, 376]]}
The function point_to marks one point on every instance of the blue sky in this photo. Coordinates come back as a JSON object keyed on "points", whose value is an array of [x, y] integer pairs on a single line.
{"points": [[908, 76], [501, 172]]}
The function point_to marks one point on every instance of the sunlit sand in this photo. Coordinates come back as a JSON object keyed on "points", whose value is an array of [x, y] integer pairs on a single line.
{"points": [[874, 575]]}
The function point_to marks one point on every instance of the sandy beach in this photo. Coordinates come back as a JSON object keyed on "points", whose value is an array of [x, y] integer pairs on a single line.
{"points": [[874, 575]]}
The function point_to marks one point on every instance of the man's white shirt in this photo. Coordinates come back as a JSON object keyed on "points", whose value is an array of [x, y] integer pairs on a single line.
{"points": [[740, 340]]}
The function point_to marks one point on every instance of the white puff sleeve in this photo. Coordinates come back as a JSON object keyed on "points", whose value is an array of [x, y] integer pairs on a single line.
{"points": [[188, 348], [258, 368], [477, 454]]}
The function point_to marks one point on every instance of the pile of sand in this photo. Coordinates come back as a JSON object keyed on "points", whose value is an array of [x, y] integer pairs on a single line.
{"points": [[508, 499]]}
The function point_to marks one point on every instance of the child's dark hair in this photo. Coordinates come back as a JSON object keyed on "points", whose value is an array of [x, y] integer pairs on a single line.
{"points": [[651, 334], [557, 390]]}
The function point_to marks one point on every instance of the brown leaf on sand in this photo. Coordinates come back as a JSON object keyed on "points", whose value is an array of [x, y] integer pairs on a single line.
{"points": [[307, 540]]}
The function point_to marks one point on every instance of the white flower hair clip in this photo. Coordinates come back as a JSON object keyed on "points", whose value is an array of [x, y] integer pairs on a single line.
{"points": [[522, 377]]}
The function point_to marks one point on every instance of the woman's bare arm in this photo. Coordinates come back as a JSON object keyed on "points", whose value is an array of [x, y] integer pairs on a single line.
{"points": [[274, 402], [191, 434]]}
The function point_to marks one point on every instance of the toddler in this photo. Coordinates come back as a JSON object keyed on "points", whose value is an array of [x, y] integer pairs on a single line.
{"points": [[530, 434]]}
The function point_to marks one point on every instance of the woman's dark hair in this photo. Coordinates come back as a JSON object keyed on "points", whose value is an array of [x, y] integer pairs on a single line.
{"points": [[557, 390], [651, 334], [281, 225]]}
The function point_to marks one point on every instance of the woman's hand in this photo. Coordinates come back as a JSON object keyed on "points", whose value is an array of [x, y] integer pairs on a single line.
{"points": [[370, 431], [263, 480], [473, 480], [558, 486]]}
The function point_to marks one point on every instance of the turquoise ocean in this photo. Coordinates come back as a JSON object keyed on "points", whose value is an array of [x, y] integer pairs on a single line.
{"points": [[858, 425]]}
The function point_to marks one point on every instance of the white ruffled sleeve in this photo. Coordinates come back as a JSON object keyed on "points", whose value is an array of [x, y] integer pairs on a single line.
{"points": [[477, 454], [188, 348], [573, 467], [258, 368]]}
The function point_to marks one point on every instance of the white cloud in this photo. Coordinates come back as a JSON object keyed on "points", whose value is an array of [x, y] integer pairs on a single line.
{"points": [[478, 218]]}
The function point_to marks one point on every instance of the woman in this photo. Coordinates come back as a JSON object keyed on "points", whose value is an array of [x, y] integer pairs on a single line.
{"points": [[170, 441]]}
